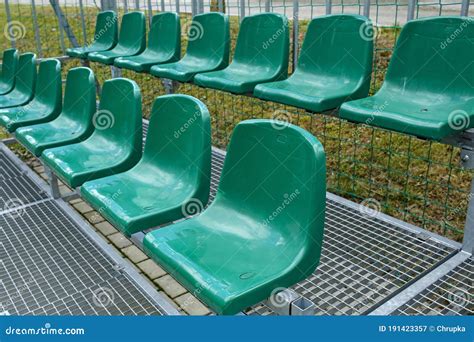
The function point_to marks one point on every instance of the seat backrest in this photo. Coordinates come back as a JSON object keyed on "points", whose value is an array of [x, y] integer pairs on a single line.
{"points": [[25, 78], [263, 40], [106, 29], [339, 46], [49, 84], [179, 141], [119, 117], [9, 67], [79, 97], [165, 34], [133, 32], [434, 55], [276, 176], [209, 38]]}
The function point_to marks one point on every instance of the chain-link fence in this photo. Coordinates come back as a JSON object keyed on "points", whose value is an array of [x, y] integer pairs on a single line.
{"points": [[418, 181]]}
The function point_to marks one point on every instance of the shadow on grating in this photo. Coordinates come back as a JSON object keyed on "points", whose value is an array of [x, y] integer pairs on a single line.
{"points": [[46, 259], [451, 295]]}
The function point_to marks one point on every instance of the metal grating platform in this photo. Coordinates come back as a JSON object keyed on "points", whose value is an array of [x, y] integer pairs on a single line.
{"points": [[45, 258], [451, 295], [364, 260], [116, 296], [18, 191], [7, 168]]}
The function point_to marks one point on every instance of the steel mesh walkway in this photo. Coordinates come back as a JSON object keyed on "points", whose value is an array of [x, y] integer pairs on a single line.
{"points": [[48, 265], [453, 294]]}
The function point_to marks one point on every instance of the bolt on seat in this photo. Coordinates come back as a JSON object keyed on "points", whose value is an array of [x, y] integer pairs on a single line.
{"points": [[335, 65], [428, 90], [73, 124], [105, 36], [261, 55], [131, 42], [265, 227], [164, 44], [46, 104], [9, 69], [115, 145], [174, 172], [207, 50], [25, 80]]}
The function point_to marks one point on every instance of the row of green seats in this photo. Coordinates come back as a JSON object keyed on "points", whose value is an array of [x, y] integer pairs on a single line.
{"points": [[426, 93], [264, 229]]}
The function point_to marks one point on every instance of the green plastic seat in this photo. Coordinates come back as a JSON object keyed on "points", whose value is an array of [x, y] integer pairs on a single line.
{"points": [[132, 40], [9, 68], [208, 49], [174, 170], [73, 124], [264, 230], [428, 90], [261, 55], [334, 66], [105, 37], [115, 145], [25, 80], [164, 44], [45, 106]]}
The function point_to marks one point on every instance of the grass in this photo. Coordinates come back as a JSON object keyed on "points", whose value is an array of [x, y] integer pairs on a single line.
{"points": [[417, 181]]}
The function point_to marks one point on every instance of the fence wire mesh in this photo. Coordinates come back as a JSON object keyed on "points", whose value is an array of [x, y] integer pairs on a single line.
{"points": [[420, 182]]}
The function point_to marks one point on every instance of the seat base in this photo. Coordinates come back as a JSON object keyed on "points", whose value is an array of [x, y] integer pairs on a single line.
{"points": [[33, 114], [138, 199], [231, 81], [318, 95], [195, 252], [411, 114]]}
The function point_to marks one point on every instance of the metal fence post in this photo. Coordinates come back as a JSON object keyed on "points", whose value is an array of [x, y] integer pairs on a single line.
{"points": [[137, 5], [150, 13], [194, 9], [242, 10], [162, 5], [296, 14], [465, 8], [201, 6], [9, 20], [367, 8], [411, 10], [39, 50], [267, 5], [125, 6], [221, 6], [468, 241], [328, 6], [177, 6], [83, 22], [63, 25]]}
